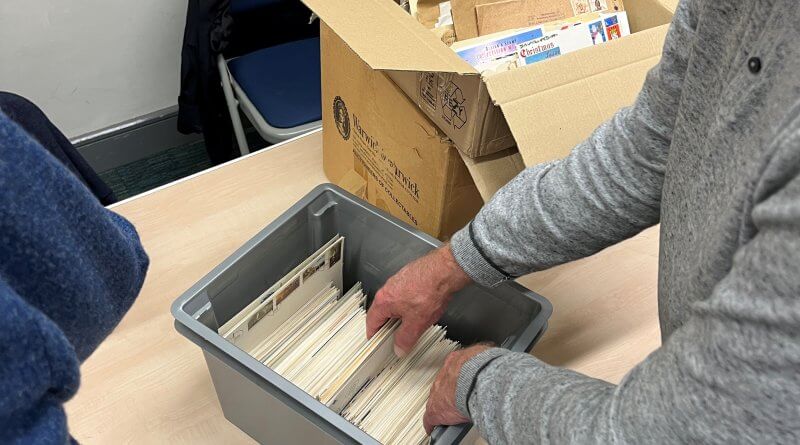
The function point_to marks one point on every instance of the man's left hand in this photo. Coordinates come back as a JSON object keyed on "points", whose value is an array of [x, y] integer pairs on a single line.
{"points": [[441, 408]]}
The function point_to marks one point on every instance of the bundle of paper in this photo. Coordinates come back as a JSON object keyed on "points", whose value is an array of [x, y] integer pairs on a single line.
{"points": [[319, 349], [307, 331], [251, 325], [323, 350], [390, 408], [587, 30], [509, 49], [497, 52], [473, 18]]}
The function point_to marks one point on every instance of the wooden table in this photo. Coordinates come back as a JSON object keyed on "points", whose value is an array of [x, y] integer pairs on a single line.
{"points": [[148, 384]]}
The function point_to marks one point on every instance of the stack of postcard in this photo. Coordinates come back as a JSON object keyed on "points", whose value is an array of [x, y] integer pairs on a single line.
{"points": [[307, 331], [510, 49]]}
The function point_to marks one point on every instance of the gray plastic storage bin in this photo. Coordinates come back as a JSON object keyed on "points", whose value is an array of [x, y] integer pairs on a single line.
{"points": [[270, 408]]}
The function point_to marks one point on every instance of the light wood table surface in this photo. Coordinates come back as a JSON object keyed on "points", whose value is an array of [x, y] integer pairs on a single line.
{"points": [[148, 384]]}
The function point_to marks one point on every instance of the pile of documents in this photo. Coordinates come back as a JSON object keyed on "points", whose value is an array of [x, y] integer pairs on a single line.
{"points": [[307, 331], [509, 49], [390, 407], [498, 35]]}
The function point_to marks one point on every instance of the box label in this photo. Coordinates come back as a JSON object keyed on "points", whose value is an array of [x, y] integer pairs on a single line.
{"points": [[374, 161], [341, 117], [454, 106], [429, 90]]}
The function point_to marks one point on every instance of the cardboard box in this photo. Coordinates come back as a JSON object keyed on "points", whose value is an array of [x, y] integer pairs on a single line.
{"points": [[379, 145], [484, 115]]}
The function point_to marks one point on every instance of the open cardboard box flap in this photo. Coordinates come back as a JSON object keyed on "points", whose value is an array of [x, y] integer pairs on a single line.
{"points": [[549, 107], [388, 38]]}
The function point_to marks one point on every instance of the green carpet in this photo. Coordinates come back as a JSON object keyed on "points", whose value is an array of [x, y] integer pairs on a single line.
{"points": [[146, 174], [167, 166]]}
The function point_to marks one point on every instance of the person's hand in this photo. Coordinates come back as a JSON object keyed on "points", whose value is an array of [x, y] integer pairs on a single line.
{"points": [[418, 295], [441, 408]]}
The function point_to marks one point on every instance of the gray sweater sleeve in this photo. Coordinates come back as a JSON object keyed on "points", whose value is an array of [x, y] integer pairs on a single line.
{"points": [[728, 375], [607, 190]]}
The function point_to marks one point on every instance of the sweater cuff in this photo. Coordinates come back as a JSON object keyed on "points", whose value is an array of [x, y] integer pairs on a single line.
{"points": [[472, 259], [469, 373]]}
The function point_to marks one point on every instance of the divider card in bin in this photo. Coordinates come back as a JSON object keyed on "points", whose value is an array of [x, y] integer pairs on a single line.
{"points": [[304, 329], [246, 329]]}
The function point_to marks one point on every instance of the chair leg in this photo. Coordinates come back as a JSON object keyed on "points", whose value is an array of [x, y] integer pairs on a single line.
{"points": [[233, 106]]}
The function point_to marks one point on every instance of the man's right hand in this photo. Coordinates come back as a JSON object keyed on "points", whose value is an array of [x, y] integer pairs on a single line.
{"points": [[418, 295]]}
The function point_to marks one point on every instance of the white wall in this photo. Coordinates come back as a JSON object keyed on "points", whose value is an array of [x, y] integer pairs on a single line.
{"points": [[92, 63]]}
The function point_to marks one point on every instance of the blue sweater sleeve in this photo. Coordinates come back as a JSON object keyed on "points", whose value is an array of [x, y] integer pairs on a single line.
{"points": [[69, 270]]}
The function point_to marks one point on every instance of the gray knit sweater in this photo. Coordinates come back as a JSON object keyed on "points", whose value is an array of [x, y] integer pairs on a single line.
{"points": [[711, 150]]}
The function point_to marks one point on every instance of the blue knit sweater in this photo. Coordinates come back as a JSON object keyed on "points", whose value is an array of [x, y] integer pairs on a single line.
{"points": [[69, 270]]}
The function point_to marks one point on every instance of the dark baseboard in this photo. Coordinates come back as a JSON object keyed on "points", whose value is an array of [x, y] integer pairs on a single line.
{"points": [[133, 140]]}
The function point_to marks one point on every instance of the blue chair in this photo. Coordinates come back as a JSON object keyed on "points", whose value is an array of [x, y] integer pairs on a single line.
{"points": [[276, 88]]}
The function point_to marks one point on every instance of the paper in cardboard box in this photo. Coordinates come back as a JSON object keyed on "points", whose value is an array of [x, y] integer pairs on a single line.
{"points": [[572, 37], [493, 53], [379, 144], [584, 88], [509, 49], [615, 26]]}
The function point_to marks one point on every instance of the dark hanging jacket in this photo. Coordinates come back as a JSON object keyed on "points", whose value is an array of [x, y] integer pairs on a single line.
{"points": [[202, 107]]}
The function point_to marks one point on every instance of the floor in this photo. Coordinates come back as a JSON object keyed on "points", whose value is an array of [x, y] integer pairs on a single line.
{"points": [[167, 166], [145, 174]]}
